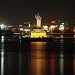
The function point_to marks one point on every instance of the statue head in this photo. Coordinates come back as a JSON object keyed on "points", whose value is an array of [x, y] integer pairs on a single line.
{"points": [[37, 16]]}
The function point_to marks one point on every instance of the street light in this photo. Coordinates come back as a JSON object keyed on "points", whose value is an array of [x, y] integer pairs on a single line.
{"points": [[2, 26]]}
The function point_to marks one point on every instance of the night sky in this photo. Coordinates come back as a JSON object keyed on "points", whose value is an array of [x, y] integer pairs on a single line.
{"points": [[18, 11]]}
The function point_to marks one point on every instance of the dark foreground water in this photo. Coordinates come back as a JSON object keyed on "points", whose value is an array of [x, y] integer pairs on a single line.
{"points": [[37, 58]]}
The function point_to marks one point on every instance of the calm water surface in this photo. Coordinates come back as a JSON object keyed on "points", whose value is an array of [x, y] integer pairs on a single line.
{"points": [[37, 58]]}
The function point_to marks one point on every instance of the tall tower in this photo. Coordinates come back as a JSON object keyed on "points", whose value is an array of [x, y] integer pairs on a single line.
{"points": [[38, 19]]}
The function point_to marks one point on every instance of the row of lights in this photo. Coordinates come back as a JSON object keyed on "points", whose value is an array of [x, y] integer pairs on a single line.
{"points": [[2, 26]]}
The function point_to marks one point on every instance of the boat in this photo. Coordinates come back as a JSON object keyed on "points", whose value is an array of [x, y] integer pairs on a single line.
{"points": [[37, 35]]}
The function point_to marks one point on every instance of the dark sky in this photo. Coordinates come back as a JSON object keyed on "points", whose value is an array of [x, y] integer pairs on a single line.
{"points": [[18, 11]]}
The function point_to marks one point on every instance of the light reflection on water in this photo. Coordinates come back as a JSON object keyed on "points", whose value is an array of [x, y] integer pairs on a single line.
{"points": [[52, 63], [74, 59], [39, 58], [74, 36], [61, 56], [2, 55], [74, 64]]}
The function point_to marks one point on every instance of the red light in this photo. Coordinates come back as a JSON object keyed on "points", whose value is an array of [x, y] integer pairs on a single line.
{"points": [[28, 22], [53, 22], [25, 23]]}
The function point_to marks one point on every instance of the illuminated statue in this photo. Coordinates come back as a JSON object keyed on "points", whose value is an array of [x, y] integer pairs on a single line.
{"points": [[38, 19]]}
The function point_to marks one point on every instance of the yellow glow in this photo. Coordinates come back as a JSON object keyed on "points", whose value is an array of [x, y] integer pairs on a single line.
{"points": [[36, 33], [45, 26], [52, 26]]}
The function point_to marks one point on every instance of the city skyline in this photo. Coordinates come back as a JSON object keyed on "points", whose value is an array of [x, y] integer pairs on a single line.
{"points": [[16, 12]]}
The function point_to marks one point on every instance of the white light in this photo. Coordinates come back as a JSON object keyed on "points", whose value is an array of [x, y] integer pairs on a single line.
{"points": [[10, 26], [21, 29], [29, 25], [5, 26], [2, 38], [2, 26], [2, 55], [26, 29], [61, 27], [62, 23], [20, 25], [2, 63]]}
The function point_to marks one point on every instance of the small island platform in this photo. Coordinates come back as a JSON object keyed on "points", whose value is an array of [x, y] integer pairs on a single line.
{"points": [[28, 39]]}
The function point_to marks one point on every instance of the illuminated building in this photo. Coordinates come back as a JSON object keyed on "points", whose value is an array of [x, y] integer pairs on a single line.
{"points": [[36, 33]]}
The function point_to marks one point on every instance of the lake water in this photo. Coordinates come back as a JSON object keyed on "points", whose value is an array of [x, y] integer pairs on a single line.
{"points": [[37, 58]]}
